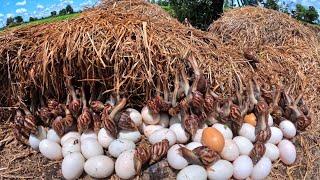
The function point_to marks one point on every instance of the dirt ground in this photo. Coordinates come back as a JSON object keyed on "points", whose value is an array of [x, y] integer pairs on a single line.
{"points": [[20, 162]]}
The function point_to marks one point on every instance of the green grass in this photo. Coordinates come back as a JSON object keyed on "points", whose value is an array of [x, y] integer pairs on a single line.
{"points": [[44, 21]]}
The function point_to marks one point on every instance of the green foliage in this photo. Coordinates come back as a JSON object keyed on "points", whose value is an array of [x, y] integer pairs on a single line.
{"points": [[18, 19], [63, 12], [43, 21], [10, 20], [200, 13], [272, 4], [169, 9], [309, 15], [69, 9], [31, 19], [53, 13]]}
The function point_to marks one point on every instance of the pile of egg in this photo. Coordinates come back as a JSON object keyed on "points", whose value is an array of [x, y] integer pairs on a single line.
{"points": [[100, 155]]}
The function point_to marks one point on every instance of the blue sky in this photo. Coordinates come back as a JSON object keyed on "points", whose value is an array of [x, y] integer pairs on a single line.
{"points": [[42, 8], [37, 8]]}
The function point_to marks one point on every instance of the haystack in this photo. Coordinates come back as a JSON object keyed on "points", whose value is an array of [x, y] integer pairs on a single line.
{"points": [[126, 47], [286, 51]]}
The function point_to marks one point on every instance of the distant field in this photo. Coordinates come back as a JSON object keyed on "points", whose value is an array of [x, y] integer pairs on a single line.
{"points": [[45, 21]]}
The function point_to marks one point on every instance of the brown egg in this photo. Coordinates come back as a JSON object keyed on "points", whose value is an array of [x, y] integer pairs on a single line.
{"points": [[251, 119], [213, 139]]}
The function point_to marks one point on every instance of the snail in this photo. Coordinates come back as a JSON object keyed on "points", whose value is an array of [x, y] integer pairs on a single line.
{"points": [[202, 155], [84, 121], [159, 150], [108, 119], [262, 130], [294, 114]]}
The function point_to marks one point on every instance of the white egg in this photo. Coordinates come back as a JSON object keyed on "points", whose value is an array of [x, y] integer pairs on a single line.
{"points": [[149, 129], [130, 135], [288, 152], [224, 129], [230, 150], [197, 137], [72, 166], [174, 157], [124, 165], [135, 116], [175, 119], [262, 169], [120, 145], [272, 152], [104, 138], [182, 135], [70, 146], [34, 142], [53, 136], [193, 145], [164, 120], [99, 166], [248, 131], [88, 134], [276, 135], [242, 167], [192, 172], [90, 148], [270, 120], [148, 117], [222, 169], [75, 135], [245, 145], [50, 149], [288, 129], [161, 134]]}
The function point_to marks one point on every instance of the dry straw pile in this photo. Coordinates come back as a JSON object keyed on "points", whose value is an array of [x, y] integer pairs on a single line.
{"points": [[124, 47], [287, 52], [135, 49]]}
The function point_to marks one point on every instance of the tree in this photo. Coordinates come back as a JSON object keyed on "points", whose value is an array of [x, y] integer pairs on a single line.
{"points": [[63, 12], [69, 9], [53, 13], [299, 12], [200, 13], [272, 4], [10, 20], [311, 15], [18, 19]]}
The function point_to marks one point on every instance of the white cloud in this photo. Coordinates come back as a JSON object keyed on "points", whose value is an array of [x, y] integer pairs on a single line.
{"points": [[22, 3], [67, 1], [9, 15], [1, 15], [21, 11], [39, 6]]}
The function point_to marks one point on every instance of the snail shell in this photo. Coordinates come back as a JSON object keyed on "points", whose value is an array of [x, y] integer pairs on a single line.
{"points": [[142, 155], [52, 104], [209, 103], [158, 150], [206, 155], [58, 126], [191, 124], [160, 170], [84, 120], [257, 152], [126, 123], [97, 106]]}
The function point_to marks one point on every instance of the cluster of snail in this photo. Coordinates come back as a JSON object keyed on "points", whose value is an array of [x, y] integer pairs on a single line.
{"points": [[199, 133]]}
